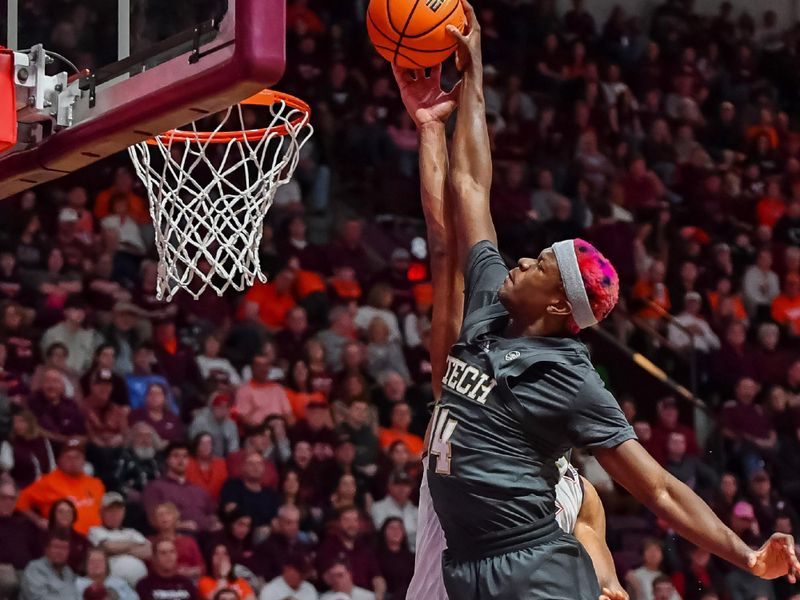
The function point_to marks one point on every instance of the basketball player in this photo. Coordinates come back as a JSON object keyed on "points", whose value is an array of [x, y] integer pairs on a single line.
{"points": [[578, 508], [519, 390]]}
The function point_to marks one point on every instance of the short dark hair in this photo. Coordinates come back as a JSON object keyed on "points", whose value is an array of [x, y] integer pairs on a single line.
{"points": [[661, 579], [345, 509], [172, 446]]}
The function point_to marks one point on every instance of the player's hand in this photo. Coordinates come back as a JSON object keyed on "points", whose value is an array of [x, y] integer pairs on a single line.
{"points": [[468, 53], [776, 558], [614, 592], [423, 97]]}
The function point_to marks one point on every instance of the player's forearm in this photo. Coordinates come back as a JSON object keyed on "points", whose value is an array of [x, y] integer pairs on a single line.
{"points": [[601, 557]]}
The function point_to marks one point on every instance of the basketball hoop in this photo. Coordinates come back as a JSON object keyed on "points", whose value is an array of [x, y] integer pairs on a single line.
{"points": [[210, 192]]}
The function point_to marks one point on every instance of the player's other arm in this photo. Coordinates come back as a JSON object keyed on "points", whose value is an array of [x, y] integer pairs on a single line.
{"points": [[471, 159], [631, 466], [590, 531]]}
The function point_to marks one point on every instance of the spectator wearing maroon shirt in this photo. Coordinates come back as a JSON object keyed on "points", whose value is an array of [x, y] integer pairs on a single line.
{"points": [[285, 540], [346, 545], [396, 561], [667, 424], [256, 439], [349, 250], [616, 240], [59, 417], [734, 359], [158, 415], [194, 504], [164, 581], [771, 362], [746, 428], [105, 358], [26, 547], [177, 363], [291, 340], [768, 502], [22, 351], [164, 520]]}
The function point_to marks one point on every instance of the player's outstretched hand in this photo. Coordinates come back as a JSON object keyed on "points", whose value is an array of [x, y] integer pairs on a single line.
{"points": [[776, 558], [614, 592], [468, 53], [423, 97]]}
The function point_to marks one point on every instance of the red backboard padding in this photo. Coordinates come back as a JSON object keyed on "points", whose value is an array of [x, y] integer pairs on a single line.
{"points": [[8, 102]]}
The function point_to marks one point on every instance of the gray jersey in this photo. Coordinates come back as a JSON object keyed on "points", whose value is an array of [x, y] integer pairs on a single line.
{"points": [[510, 408]]}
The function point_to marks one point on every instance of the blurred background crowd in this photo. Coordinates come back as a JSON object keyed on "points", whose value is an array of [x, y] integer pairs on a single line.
{"points": [[267, 444]]}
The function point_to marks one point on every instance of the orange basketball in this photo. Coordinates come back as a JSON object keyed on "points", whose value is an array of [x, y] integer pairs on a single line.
{"points": [[412, 33]]}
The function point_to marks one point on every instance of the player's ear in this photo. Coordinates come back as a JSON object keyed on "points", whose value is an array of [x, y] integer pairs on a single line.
{"points": [[559, 307]]}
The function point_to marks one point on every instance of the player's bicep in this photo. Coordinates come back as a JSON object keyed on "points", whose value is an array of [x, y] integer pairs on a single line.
{"points": [[591, 514]]}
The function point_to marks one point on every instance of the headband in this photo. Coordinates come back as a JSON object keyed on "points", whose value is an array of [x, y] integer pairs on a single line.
{"points": [[573, 283]]}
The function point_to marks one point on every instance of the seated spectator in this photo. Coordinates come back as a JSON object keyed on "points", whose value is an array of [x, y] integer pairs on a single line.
{"points": [[211, 363], [652, 295], [98, 574], [119, 226], [80, 341], [395, 560], [32, 453], [760, 285], [321, 379], [68, 480], [640, 581], [284, 541], [786, 306], [158, 414], [260, 398], [339, 578], [740, 583], [734, 359], [249, 495], [137, 466], [60, 418], [126, 548], [63, 515], [299, 389], [164, 581], [122, 184], [298, 488], [22, 351], [668, 423], [205, 470], [771, 362], [346, 545], [256, 439], [333, 339], [398, 430], [689, 469], [195, 506], [746, 428], [347, 493], [26, 547], [350, 250], [222, 575], [360, 428], [164, 520], [398, 460], [50, 576], [176, 361], [274, 299], [696, 331], [215, 419], [59, 281], [106, 425], [379, 303], [105, 358], [397, 503], [699, 577], [316, 430], [291, 583], [663, 589], [294, 335], [384, 354], [767, 502], [142, 377], [102, 290], [55, 357], [236, 536]]}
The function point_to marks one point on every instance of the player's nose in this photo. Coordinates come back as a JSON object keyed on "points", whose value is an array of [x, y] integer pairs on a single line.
{"points": [[524, 263]]}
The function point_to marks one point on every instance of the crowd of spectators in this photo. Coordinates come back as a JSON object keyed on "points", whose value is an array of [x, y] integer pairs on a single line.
{"points": [[267, 444]]}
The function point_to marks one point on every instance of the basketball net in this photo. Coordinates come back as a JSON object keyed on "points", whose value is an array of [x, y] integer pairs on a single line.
{"points": [[210, 192]]}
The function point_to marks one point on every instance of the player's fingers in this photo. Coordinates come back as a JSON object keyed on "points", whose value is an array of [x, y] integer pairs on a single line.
{"points": [[401, 75], [454, 93], [470, 13], [456, 33]]}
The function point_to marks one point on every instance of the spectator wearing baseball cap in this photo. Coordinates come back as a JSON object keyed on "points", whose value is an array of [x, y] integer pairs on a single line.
{"points": [[67, 481], [215, 419], [397, 503], [106, 424], [126, 548]]}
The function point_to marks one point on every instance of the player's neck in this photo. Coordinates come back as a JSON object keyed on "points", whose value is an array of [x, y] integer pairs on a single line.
{"points": [[541, 327]]}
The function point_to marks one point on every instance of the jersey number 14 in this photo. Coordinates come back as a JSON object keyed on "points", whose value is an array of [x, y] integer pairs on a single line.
{"points": [[439, 444]]}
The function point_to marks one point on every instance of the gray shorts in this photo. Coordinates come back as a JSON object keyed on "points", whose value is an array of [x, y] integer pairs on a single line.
{"points": [[559, 569]]}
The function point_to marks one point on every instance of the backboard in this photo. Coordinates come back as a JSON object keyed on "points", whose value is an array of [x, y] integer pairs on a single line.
{"points": [[152, 65]]}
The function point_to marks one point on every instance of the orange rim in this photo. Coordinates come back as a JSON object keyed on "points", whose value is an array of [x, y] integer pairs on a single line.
{"points": [[262, 98]]}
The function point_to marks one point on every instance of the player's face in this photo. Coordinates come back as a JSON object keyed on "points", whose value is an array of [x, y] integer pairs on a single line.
{"points": [[532, 286]]}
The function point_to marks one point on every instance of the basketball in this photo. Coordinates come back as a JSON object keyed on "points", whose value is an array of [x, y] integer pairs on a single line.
{"points": [[413, 33]]}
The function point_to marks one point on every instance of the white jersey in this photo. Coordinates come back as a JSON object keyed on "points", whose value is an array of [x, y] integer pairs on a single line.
{"points": [[427, 582]]}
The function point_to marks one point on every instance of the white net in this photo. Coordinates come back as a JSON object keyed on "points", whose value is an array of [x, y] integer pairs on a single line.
{"points": [[210, 192]]}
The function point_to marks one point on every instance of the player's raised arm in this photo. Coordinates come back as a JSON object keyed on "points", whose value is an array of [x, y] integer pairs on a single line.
{"points": [[471, 160], [590, 531], [632, 467], [430, 108]]}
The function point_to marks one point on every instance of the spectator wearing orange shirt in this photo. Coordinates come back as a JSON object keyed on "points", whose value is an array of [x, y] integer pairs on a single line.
{"points": [[123, 184], [204, 469], [260, 398], [651, 289], [299, 390], [274, 299], [771, 206], [67, 481], [786, 306], [298, 12], [398, 430]]}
